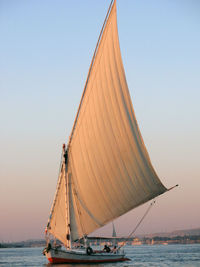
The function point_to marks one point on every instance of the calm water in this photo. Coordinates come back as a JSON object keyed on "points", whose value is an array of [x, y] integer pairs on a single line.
{"points": [[141, 256]]}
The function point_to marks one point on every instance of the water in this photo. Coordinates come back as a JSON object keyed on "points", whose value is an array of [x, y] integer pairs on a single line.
{"points": [[141, 256]]}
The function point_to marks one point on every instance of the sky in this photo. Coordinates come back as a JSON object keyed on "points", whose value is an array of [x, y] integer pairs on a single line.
{"points": [[45, 52]]}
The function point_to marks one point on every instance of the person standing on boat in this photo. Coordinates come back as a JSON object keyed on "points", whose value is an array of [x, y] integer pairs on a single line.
{"points": [[65, 152]]}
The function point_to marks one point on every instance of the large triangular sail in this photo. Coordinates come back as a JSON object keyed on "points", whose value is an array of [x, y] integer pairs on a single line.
{"points": [[108, 165]]}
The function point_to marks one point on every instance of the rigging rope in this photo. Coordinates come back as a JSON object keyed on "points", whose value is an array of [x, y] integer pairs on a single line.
{"points": [[138, 224], [57, 187], [61, 161]]}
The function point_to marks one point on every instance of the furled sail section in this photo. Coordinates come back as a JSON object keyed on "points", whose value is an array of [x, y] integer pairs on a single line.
{"points": [[57, 225], [110, 167]]}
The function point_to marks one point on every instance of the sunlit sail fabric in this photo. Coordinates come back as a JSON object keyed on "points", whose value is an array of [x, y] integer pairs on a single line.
{"points": [[109, 166], [58, 218]]}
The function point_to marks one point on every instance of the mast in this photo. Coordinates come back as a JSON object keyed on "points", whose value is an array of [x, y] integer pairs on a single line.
{"points": [[114, 231], [59, 219], [67, 199]]}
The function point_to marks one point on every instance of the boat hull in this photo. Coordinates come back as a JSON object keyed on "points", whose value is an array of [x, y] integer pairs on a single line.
{"points": [[72, 256]]}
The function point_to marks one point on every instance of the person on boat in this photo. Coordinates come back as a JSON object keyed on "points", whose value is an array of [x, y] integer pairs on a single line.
{"points": [[106, 249], [114, 250], [66, 156], [48, 247]]}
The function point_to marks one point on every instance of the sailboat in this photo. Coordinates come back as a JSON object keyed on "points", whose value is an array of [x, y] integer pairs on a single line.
{"points": [[105, 169]]}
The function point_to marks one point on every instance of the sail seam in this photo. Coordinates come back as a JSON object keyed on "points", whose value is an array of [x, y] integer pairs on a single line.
{"points": [[86, 152], [81, 201], [105, 159], [103, 119], [95, 160], [137, 135], [110, 84]]}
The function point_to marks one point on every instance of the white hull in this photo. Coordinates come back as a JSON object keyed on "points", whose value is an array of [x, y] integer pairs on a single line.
{"points": [[78, 256]]}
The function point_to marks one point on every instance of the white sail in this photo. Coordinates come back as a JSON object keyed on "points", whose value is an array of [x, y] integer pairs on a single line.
{"points": [[109, 165], [58, 219]]}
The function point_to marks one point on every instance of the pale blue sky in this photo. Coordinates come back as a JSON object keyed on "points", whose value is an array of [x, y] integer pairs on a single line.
{"points": [[45, 52]]}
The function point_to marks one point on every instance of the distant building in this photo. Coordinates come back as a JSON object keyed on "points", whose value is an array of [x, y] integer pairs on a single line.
{"points": [[136, 242]]}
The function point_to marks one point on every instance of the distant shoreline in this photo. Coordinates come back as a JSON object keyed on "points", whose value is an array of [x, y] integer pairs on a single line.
{"points": [[189, 236], [156, 240]]}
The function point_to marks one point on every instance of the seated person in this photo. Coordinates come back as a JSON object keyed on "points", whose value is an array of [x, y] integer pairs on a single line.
{"points": [[114, 250], [106, 248]]}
